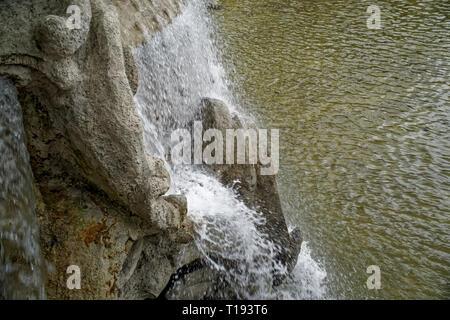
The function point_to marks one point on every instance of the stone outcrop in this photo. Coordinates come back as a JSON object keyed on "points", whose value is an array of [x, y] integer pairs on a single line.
{"points": [[215, 5], [101, 200], [100, 195]]}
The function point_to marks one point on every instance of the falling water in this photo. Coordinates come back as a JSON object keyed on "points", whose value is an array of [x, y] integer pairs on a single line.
{"points": [[20, 259], [178, 67]]}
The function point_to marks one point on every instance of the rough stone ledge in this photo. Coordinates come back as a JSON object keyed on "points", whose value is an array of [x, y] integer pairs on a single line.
{"points": [[100, 195]]}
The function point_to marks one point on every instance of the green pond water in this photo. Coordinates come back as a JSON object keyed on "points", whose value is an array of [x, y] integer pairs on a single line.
{"points": [[364, 119]]}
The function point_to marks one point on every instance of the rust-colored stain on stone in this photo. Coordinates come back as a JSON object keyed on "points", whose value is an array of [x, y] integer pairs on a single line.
{"points": [[96, 232]]}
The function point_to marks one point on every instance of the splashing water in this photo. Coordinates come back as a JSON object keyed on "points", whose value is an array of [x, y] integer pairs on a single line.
{"points": [[20, 258], [178, 67], [307, 279]]}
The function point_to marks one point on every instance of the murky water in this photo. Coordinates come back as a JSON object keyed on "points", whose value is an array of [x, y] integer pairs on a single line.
{"points": [[365, 132]]}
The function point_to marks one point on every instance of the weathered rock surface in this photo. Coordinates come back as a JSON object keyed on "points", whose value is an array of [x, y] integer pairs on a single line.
{"points": [[158, 261], [100, 195], [141, 17]]}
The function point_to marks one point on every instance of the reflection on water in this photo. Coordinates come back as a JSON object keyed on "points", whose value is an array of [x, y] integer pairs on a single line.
{"points": [[365, 132]]}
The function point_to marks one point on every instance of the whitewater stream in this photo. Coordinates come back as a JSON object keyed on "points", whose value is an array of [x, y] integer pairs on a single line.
{"points": [[364, 145], [178, 67]]}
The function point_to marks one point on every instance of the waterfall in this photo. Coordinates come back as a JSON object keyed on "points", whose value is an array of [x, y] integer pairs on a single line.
{"points": [[20, 258], [178, 67]]}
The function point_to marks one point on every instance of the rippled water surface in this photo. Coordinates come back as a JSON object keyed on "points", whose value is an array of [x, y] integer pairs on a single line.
{"points": [[365, 132]]}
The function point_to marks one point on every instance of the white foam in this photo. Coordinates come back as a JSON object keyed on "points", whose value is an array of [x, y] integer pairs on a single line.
{"points": [[307, 280]]}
